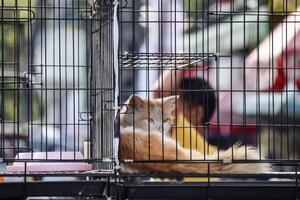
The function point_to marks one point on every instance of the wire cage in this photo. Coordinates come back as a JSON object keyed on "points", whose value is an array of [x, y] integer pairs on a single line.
{"points": [[44, 72], [234, 66], [52, 100], [139, 99]]}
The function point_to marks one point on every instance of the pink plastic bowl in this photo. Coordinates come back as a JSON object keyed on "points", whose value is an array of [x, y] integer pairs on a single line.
{"points": [[49, 166]]}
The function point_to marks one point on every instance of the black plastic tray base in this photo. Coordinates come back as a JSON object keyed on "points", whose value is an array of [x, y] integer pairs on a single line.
{"points": [[214, 190], [19, 190]]}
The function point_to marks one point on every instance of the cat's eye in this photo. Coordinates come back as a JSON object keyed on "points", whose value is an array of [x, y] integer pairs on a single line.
{"points": [[151, 120], [166, 120]]}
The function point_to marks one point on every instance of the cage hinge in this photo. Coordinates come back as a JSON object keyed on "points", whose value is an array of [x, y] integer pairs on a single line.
{"points": [[15, 14], [12, 77], [32, 79], [128, 160], [109, 105], [85, 116], [227, 161]]}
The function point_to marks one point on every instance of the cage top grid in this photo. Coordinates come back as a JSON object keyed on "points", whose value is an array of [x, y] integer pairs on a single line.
{"points": [[165, 60]]}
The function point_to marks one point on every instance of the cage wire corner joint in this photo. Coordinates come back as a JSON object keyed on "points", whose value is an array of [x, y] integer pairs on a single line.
{"points": [[116, 82]]}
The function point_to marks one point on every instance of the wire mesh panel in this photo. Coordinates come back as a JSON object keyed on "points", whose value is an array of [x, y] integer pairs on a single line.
{"points": [[232, 68], [14, 75], [46, 69], [57, 93], [61, 58], [103, 84]]}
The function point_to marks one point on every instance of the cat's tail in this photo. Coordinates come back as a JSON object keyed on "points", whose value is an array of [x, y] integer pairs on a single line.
{"points": [[244, 154], [144, 149]]}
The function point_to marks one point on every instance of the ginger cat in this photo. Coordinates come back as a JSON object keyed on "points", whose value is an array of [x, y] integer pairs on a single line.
{"points": [[150, 140]]}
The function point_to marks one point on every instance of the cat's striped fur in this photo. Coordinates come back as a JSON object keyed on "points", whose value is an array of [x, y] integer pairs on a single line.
{"points": [[145, 127]]}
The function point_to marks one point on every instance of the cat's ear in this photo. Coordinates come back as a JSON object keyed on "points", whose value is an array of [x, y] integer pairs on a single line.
{"points": [[135, 101], [170, 99], [169, 105]]}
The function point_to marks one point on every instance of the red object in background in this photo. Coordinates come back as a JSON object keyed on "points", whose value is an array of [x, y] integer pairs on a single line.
{"points": [[283, 70], [298, 84], [190, 73], [268, 67], [196, 71], [280, 79]]}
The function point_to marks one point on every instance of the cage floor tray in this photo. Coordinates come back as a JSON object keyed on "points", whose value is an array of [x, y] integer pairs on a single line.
{"points": [[39, 162]]}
